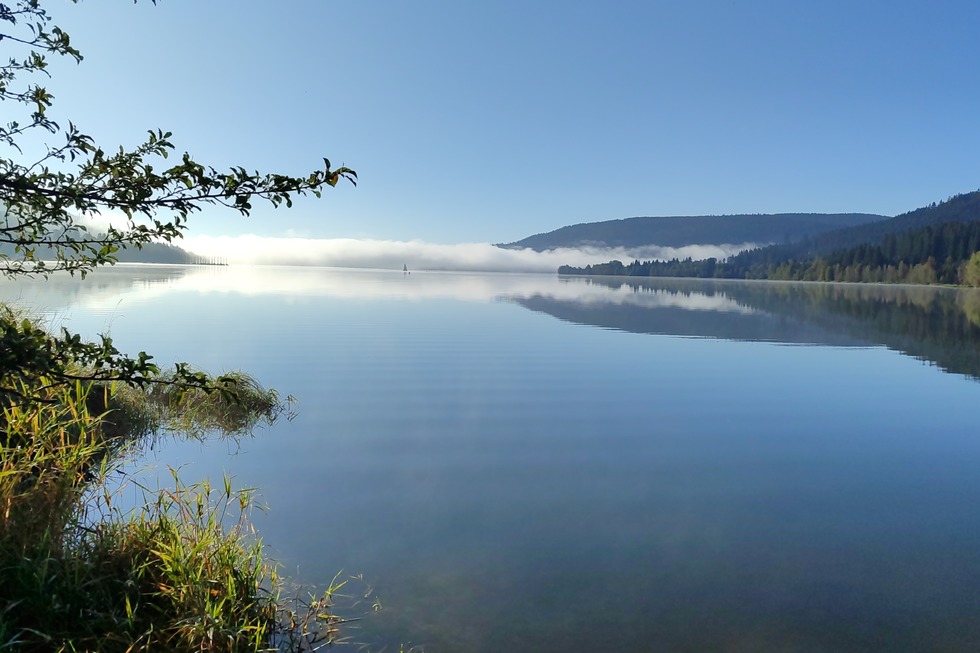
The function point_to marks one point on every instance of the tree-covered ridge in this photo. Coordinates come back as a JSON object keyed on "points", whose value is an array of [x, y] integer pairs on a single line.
{"points": [[678, 231], [150, 252], [939, 248], [156, 253], [959, 208]]}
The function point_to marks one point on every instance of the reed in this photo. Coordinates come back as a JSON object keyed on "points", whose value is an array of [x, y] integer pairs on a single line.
{"points": [[185, 572]]}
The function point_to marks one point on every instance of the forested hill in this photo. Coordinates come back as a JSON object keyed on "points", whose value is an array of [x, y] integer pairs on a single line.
{"points": [[936, 244], [156, 253], [150, 253], [957, 209], [678, 231]]}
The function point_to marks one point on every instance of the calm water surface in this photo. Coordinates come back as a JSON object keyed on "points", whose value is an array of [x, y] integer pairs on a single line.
{"points": [[518, 462]]}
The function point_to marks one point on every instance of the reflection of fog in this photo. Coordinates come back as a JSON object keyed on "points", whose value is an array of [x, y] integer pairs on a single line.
{"points": [[104, 288], [98, 290], [588, 293], [941, 325], [142, 283]]}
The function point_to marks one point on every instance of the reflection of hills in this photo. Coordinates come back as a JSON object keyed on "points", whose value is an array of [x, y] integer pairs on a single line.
{"points": [[693, 310], [940, 325], [679, 321], [61, 290]]}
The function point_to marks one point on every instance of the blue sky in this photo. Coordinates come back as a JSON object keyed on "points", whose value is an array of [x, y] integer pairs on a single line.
{"points": [[492, 121]]}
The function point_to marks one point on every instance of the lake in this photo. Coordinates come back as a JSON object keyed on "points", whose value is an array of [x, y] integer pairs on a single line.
{"points": [[529, 462]]}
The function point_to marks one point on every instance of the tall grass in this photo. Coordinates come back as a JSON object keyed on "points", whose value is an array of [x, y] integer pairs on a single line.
{"points": [[183, 573]]}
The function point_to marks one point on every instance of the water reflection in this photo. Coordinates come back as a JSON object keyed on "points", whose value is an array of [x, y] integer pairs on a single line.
{"points": [[106, 286], [939, 325]]}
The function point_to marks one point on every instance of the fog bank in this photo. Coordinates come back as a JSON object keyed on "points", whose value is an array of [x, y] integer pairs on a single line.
{"points": [[421, 255]]}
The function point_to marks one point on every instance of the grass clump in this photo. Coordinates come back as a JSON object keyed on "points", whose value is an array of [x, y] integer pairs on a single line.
{"points": [[183, 573], [167, 406]]}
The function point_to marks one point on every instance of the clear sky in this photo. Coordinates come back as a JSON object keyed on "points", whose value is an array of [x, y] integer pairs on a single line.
{"points": [[491, 121]]}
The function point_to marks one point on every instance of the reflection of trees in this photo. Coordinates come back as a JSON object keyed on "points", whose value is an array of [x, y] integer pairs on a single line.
{"points": [[934, 324], [696, 309], [61, 290], [940, 325], [969, 302]]}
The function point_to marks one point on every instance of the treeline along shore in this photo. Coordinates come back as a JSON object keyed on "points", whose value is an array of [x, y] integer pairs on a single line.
{"points": [[938, 244]]}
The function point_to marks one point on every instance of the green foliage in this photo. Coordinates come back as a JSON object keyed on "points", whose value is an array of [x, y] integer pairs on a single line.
{"points": [[183, 573], [186, 572], [970, 271], [44, 198], [29, 353], [190, 412], [49, 450], [44, 201], [172, 577]]}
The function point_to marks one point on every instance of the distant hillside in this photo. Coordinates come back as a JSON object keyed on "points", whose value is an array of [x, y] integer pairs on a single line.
{"points": [[156, 253], [678, 231], [959, 209], [928, 245], [150, 253]]}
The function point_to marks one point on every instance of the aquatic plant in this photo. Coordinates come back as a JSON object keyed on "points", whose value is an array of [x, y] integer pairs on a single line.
{"points": [[184, 572]]}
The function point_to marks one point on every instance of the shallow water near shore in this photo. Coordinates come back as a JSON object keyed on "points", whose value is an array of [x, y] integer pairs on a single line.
{"points": [[528, 462]]}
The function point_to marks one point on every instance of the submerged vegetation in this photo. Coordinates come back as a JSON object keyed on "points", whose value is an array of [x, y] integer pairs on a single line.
{"points": [[185, 572]]}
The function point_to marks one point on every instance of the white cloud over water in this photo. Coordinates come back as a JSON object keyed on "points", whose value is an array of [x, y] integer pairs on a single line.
{"points": [[421, 255]]}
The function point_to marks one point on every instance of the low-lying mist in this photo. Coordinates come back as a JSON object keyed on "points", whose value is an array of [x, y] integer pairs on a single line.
{"points": [[421, 255]]}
